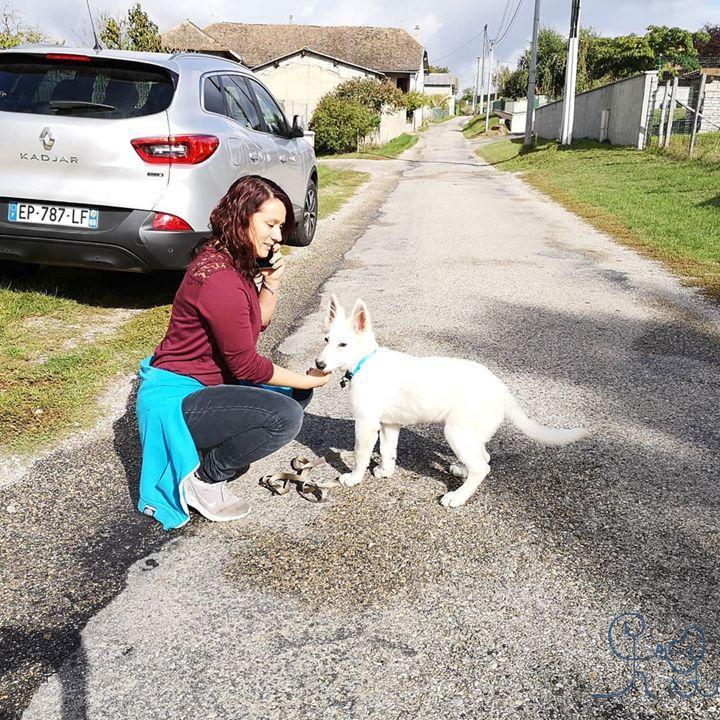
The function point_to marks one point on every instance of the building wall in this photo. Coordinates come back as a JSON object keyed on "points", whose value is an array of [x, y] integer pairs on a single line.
{"points": [[442, 90], [626, 100], [711, 107], [299, 82], [391, 125]]}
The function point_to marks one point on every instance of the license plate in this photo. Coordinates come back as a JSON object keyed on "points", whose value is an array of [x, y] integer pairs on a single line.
{"points": [[42, 214]]}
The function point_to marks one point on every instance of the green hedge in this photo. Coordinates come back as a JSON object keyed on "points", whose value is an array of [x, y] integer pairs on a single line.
{"points": [[338, 123]]}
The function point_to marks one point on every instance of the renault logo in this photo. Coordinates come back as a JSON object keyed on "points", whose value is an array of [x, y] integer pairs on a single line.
{"points": [[47, 138]]}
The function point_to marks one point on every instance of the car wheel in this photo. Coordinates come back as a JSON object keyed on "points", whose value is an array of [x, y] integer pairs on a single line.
{"points": [[305, 230]]}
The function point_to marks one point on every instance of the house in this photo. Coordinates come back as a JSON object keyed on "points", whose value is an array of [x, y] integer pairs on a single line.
{"points": [[442, 84], [301, 63]]}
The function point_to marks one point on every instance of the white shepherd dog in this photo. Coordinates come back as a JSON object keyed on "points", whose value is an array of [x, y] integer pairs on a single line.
{"points": [[389, 389]]}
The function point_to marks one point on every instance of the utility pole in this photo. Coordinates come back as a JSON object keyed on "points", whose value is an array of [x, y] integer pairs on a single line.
{"points": [[475, 86], [482, 71], [531, 78], [487, 112], [570, 76]]}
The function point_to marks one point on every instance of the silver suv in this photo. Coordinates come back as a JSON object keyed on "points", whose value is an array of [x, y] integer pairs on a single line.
{"points": [[115, 159]]}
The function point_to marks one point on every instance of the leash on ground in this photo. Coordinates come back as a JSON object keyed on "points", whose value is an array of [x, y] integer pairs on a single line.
{"points": [[281, 483]]}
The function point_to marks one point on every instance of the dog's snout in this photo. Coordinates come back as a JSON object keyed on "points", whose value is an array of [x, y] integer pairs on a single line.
{"points": [[320, 365]]}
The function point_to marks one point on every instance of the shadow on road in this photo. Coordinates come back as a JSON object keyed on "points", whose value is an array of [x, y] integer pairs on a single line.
{"points": [[69, 559], [634, 509]]}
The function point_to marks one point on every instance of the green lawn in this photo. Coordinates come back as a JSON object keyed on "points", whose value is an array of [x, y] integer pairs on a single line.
{"points": [[475, 127], [60, 343], [336, 187], [65, 333], [442, 119], [707, 147], [668, 208], [384, 152]]}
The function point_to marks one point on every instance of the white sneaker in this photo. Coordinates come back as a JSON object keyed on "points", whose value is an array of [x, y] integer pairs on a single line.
{"points": [[214, 500]]}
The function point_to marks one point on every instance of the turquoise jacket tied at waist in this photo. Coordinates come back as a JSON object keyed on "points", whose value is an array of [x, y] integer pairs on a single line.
{"points": [[168, 451]]}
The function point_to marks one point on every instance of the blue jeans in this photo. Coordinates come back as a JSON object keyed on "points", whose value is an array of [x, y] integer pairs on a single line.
{"points": [[235, 425]]}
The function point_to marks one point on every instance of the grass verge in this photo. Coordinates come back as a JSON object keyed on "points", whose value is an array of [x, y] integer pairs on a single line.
{"points": [[666, 208], [64, 334], [337, 186], [59, 348], [387, 151], [707, 147], [475, 127]]}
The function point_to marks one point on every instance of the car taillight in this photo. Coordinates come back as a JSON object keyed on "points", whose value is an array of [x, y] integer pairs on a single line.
{"points": [[165, 221], [65, 56], [176, 149]]}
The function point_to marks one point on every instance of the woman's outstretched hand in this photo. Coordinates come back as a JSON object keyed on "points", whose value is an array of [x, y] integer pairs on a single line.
{"points": [[318, 378]]}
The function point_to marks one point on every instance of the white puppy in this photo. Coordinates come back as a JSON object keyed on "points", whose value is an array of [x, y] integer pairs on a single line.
{"points": [[389, 389]]}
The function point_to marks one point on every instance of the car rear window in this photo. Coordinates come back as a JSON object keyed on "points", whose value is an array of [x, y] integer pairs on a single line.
{"points": [[98, 87]]}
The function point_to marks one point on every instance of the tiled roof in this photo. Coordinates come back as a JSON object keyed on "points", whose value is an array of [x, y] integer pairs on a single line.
{"points": [[441, 79], [188, 36], [385, 49]]}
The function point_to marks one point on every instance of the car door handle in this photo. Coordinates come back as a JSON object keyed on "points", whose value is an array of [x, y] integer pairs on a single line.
{"points": [[255, 157], [287, 158]]}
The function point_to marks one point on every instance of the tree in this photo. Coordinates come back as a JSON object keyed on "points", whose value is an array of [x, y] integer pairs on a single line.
{"points": [[14, 32], [438, 69], [467, 95], [673, 47], [619, 57], [500, 77], [707, 41], [604, 59], [551, 53], [135, 32], [515, 85]]}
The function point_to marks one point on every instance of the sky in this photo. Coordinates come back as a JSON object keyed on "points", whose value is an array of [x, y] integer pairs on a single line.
{"points": [[445, 28]]}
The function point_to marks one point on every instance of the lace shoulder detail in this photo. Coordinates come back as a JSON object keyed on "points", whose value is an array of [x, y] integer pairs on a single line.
{"points": [[207, 262]]}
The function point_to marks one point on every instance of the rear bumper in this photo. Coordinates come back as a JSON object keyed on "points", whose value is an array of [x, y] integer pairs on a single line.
{"points": [[124, 241]]}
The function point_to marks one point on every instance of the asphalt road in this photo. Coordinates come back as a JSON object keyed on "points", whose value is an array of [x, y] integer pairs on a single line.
{"points": [[381, 603]]}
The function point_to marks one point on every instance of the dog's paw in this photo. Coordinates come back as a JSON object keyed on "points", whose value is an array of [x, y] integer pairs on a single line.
{"points": [[458, 470], [348, 480], [453, 499], [379, 472]]}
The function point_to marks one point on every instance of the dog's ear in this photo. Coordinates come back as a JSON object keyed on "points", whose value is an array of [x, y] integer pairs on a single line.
{"points": [[360, 317], [334, 310]]}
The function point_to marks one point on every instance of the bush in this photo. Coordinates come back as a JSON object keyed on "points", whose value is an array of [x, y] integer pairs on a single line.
{"points": [[338, 123], [438, 101], [371, 94], [415, 100]]}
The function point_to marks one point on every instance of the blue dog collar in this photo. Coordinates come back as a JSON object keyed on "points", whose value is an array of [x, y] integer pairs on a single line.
{"points": [[348, 376]]}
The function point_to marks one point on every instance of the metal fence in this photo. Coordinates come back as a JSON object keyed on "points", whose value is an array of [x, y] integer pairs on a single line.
{"points": [[684, 116]]}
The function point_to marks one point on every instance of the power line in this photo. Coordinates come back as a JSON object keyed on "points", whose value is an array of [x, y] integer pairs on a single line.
{"points": [[474, 37], [498, 40], [502, 19]]}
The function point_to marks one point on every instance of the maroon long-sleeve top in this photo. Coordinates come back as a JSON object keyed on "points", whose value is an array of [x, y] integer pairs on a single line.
{"points": [[214, 326]]}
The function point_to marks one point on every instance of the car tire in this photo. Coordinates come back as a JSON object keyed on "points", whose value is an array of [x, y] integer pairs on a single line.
{"points": [[305, 229]]}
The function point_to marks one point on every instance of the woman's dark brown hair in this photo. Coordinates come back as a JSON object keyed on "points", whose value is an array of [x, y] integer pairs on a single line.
{"points": [[230, 220]]}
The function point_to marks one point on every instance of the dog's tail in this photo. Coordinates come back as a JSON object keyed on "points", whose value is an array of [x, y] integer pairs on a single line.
{"points": [[536, 431]]}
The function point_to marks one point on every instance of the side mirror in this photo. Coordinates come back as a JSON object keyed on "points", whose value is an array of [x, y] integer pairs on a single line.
{"points": [[297, 127]]}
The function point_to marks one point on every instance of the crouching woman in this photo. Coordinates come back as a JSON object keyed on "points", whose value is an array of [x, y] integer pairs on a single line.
{"points": [[208, 404]]}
